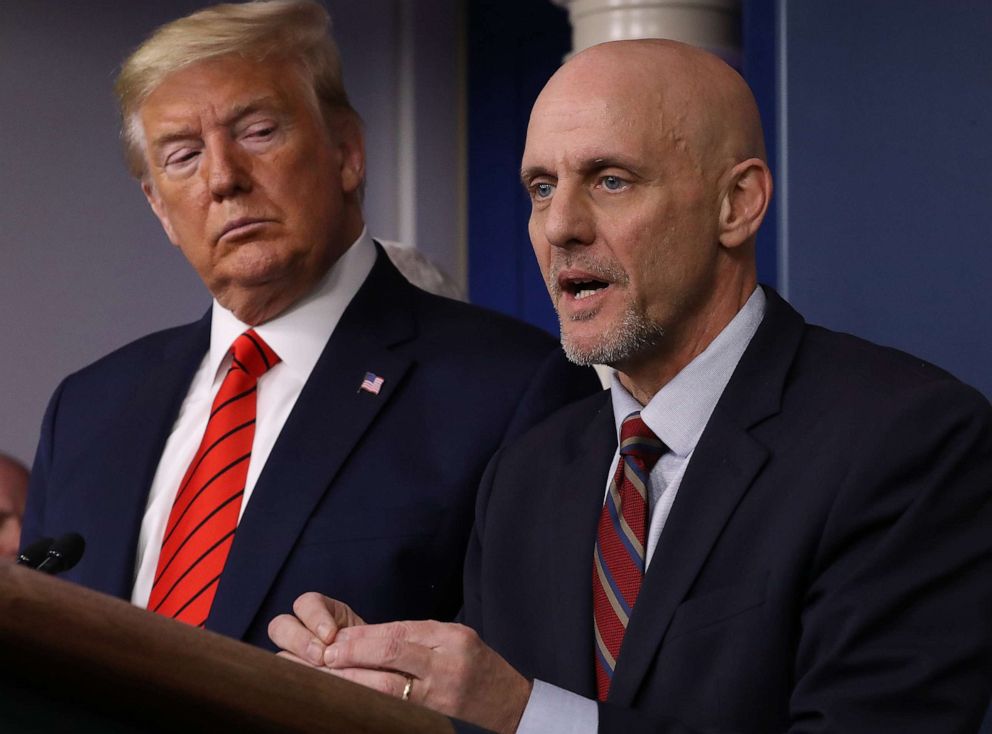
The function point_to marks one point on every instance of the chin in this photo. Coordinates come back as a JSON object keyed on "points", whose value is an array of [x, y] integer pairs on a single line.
{"points": [[251, 270], [259, 264], [611, 342], [584, 349]]}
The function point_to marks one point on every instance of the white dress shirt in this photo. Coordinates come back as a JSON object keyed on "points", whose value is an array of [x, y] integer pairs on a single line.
{"points": [[298, 336], [677, 415]]}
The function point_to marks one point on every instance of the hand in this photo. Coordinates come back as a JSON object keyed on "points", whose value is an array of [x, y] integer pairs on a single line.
{"points": [[305, 637], [448, 667]]}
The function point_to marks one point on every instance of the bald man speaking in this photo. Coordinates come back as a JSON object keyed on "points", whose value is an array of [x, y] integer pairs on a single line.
{"points": [[763, 527]]}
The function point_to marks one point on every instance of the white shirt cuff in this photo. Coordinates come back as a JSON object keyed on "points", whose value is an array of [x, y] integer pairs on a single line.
{"points": [[553, 710]]}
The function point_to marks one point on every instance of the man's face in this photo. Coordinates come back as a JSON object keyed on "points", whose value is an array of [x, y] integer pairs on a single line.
{"points": [[247, 181], [623, 220]]}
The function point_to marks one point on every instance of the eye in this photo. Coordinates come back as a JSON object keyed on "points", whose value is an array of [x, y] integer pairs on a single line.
{"points": [[181, 157], [542, 190], [259, 131], [262, 132], [613, 183]]}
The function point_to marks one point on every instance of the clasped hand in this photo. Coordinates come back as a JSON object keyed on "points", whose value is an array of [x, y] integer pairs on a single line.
{"points": [[445, 667]]}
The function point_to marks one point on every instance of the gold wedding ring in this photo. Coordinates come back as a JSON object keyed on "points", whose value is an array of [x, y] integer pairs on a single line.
{"points": [[407, 688]]}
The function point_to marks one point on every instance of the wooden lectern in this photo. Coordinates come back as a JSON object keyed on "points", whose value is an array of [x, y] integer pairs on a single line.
{"points": [[74, 660]]}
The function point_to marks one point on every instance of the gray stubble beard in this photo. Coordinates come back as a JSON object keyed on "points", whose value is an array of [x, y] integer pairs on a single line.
{"points": [[635, 332], [619, 342]]}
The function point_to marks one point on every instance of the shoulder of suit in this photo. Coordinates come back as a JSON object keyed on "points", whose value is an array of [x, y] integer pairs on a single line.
{"points": [[134, 356], [568, 426], [848, 361], [478, 324]]}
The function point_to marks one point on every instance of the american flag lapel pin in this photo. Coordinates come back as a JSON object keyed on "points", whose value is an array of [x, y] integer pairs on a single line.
{"points": [[371, 383]]}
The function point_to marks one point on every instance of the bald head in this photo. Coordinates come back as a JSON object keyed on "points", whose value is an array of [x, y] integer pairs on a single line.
{"points": [[693, 97], [646, 169], [13, 492]]}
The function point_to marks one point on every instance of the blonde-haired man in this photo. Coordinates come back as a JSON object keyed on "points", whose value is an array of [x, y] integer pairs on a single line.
{"points": [[325, 423]]}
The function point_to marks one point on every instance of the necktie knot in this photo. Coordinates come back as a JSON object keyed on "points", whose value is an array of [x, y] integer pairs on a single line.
{"points": [[253, 355], [638, 442]]}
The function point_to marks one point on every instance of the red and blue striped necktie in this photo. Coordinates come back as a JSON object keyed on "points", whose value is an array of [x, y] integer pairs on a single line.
{"points": [[200, 531], [618, 561]]}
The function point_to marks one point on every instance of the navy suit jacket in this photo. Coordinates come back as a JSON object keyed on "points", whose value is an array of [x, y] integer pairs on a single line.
{"points": [[364, 497], [826, 566]]}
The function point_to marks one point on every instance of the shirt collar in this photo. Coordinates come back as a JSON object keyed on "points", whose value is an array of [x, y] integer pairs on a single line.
{"points": [[679, 412], [299, 334]]}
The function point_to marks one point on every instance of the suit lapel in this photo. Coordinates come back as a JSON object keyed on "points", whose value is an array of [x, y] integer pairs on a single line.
{"points": [[723, 467], [141, 432], [327, 422], [577, 500], [710, 491]]}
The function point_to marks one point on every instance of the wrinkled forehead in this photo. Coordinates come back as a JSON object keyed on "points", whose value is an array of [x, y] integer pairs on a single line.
{"points": [[219, 91], [575, 122], [657, 98], [228, 79]]}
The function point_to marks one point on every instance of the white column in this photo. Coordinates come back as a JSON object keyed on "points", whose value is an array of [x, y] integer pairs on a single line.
{"points": [[710, 24], [406, 119]]}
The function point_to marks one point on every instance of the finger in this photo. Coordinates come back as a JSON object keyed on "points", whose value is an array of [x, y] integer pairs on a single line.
{"points": [[425, 632], [428, 633], [390, 683], [379, 653], [324, 616], [290, 635], [293, 658]]}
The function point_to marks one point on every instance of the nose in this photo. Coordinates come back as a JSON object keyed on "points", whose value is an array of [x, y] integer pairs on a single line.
{"points": [[227, 170], [569, 220]]}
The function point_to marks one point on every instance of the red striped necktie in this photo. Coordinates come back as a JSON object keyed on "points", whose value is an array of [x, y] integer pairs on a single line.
{"points": [[200, 531], [618, 561]]}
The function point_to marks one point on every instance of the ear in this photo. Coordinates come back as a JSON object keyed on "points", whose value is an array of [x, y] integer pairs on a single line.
{"points": [[155, 202], [351, 145], [747, 191]]}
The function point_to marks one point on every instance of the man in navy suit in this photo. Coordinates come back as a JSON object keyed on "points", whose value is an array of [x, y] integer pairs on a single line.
{"points": [[795, 532], [372, 430]]}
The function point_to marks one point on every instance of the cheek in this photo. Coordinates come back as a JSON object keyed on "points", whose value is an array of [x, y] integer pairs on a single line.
{"points": [[542, 250], [199, 258], [186, 214]]}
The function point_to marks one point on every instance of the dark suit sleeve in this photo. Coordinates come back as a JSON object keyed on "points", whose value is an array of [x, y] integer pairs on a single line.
{"points": [[556, 383], [897, 620], [471, 613], [34, 510], [895, 626]]}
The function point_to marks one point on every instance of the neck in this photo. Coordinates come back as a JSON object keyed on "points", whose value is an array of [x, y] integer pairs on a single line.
{"points": [[646, 373], [258, 305]]}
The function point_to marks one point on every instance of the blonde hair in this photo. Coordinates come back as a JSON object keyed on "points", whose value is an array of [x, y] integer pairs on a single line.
{"points": [[294, 30]]}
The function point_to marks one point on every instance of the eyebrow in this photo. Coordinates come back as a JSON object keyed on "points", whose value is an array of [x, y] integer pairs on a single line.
{"points": [[237, 113], [267, 103], [184, 133], [585, 167], [526, 174], [612, 161]]}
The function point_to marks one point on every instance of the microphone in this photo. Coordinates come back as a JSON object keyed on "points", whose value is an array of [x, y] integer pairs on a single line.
{"points": [[64, 554], [35, 553]]}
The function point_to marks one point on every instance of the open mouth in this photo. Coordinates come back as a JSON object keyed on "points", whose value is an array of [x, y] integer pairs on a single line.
{"points": [[581, 288]]}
